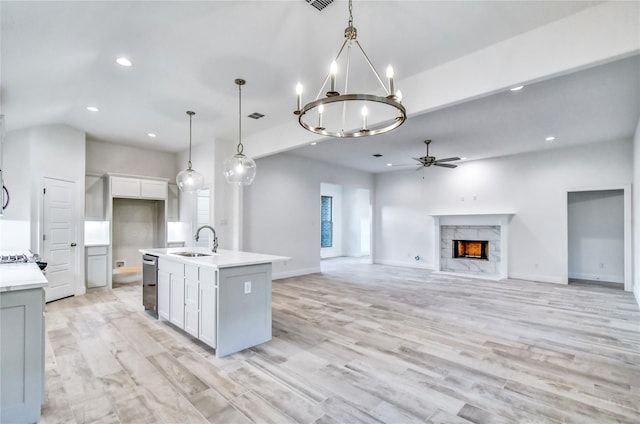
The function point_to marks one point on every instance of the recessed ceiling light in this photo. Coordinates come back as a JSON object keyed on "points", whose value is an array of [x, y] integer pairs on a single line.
{"points": [[123, 61], [152, 135], [92, 108], [517, 88], [389, 164], [463, 158], [550, 138], [314, 143]]}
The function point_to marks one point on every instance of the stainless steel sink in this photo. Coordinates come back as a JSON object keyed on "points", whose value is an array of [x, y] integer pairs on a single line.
{"points": [[191, 254]]}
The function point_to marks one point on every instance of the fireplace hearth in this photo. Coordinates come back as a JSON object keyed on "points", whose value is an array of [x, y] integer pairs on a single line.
{"points": [[471, 249]]}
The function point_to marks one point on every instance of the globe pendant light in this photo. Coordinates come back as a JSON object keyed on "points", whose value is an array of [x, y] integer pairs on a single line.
{"points": [[240, 169], [189, 179]]}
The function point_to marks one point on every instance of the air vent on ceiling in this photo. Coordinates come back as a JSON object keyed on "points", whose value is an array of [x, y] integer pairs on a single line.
{"points": [[376, 155], [319, 4], [256, 115]]}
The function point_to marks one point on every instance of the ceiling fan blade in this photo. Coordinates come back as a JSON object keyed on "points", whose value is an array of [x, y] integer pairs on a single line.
{"points": [[448, 159], [445, 165]]}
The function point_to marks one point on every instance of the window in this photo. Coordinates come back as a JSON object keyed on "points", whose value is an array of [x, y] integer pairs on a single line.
{"points": [[326, 223]]}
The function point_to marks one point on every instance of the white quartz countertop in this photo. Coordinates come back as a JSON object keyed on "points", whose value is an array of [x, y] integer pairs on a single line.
{"points": [[221, 259], [21, 276]]}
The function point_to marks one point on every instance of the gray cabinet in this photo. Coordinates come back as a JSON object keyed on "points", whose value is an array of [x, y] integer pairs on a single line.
{"points": [[21, 355], [97, 269], [229, 309], [244, 307]]}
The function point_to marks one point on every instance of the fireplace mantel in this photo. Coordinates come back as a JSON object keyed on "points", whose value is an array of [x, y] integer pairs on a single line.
{"points": [[487, 219]]}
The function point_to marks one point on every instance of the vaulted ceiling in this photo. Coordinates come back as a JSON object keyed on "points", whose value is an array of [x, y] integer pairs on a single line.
{"points": [[59, 57]]}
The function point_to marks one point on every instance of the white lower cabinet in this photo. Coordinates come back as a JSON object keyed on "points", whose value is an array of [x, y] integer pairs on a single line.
{"points": [[208, 307], [171, 291], [191, 300], [176, 306], [164, 294], [187, 297], [97, 266]]}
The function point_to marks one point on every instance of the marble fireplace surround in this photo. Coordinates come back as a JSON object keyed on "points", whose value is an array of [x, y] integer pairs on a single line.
{"points": [[500, 220]]}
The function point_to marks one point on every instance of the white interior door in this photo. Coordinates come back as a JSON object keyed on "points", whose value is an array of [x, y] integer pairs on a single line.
{"points": [[59, 238]]}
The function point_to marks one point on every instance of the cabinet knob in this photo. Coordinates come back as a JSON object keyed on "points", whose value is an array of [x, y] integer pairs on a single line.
{"points": [[73, 245]]}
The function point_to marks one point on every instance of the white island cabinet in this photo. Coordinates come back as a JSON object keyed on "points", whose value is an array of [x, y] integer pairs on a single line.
{"points": [[21, 342], [223, 299]]}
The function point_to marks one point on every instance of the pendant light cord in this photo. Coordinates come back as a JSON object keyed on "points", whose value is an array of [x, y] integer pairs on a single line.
{"points": [[240, 147], [190, 116]]}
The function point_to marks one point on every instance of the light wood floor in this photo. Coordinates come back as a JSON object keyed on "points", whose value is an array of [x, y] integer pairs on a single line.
{"points": [[358, 344]]}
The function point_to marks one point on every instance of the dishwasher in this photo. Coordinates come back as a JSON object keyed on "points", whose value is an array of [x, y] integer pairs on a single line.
{"points": [[150, 283]]}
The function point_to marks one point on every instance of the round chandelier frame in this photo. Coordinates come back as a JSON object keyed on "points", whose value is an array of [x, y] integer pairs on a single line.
{"points": [[391, 101]]}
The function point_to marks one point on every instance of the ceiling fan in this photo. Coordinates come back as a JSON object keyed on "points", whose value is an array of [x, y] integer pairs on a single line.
{"points": [[426, 160]]}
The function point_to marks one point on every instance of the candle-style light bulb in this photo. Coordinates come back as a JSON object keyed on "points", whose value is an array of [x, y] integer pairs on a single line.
{"points": [[333, 70], [365, 112], [399, 95], [320, 112], [390, 77], [299, 93]]}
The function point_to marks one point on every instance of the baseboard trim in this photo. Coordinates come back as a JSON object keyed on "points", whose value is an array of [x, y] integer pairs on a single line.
{"points": [[597, 277], [295, 273], [404, 264], [536, 277]]}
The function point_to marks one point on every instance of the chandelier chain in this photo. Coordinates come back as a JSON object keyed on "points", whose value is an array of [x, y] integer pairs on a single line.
{"points": [[350, 14]]}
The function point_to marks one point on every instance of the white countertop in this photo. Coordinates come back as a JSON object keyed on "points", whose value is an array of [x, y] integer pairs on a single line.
{"points": [[21, 276], [221, 259]]}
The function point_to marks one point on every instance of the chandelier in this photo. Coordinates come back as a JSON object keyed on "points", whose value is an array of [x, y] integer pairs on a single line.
{"points": [[349, 114], [189, 179], [240, 169]]}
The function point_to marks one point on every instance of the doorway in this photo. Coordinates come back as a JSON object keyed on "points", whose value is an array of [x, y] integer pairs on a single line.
{"points": [[345, 216], [59, 242], [596, 237]]}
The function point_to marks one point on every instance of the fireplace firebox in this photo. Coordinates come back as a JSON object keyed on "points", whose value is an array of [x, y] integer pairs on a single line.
{"points": [[471, 249]]}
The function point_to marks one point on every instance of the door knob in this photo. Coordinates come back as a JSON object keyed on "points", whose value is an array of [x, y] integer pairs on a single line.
{"points": [[73, 245]]}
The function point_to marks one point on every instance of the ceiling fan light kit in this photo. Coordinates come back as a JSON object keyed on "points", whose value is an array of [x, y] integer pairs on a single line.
{"points": [[348, 114]]}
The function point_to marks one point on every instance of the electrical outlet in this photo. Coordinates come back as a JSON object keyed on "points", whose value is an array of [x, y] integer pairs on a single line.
{"points": [[247, 287], [119, 264]]}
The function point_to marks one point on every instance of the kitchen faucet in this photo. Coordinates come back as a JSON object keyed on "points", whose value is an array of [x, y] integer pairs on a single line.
{"points": [[214, 249]]}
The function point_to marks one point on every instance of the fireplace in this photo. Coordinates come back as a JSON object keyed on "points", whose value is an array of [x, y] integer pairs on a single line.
{"points": [[492, 230], [471, 249]]}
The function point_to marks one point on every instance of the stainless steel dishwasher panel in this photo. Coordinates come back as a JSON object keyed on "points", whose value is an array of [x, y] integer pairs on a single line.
{"points": [[150, 283]]}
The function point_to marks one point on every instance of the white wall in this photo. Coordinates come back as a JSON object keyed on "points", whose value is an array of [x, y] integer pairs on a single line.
{"points": [[636, 214], [532, 186], [15, 225], [596, 235], [56, 151], [103, 157], [282, 209]]}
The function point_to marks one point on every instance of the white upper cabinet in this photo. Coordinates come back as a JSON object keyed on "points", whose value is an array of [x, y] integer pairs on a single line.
{"points": [[138, 188]]}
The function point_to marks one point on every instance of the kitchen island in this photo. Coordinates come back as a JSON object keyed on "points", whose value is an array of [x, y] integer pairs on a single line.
{"points": [[21, 342], [223, 298]]}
